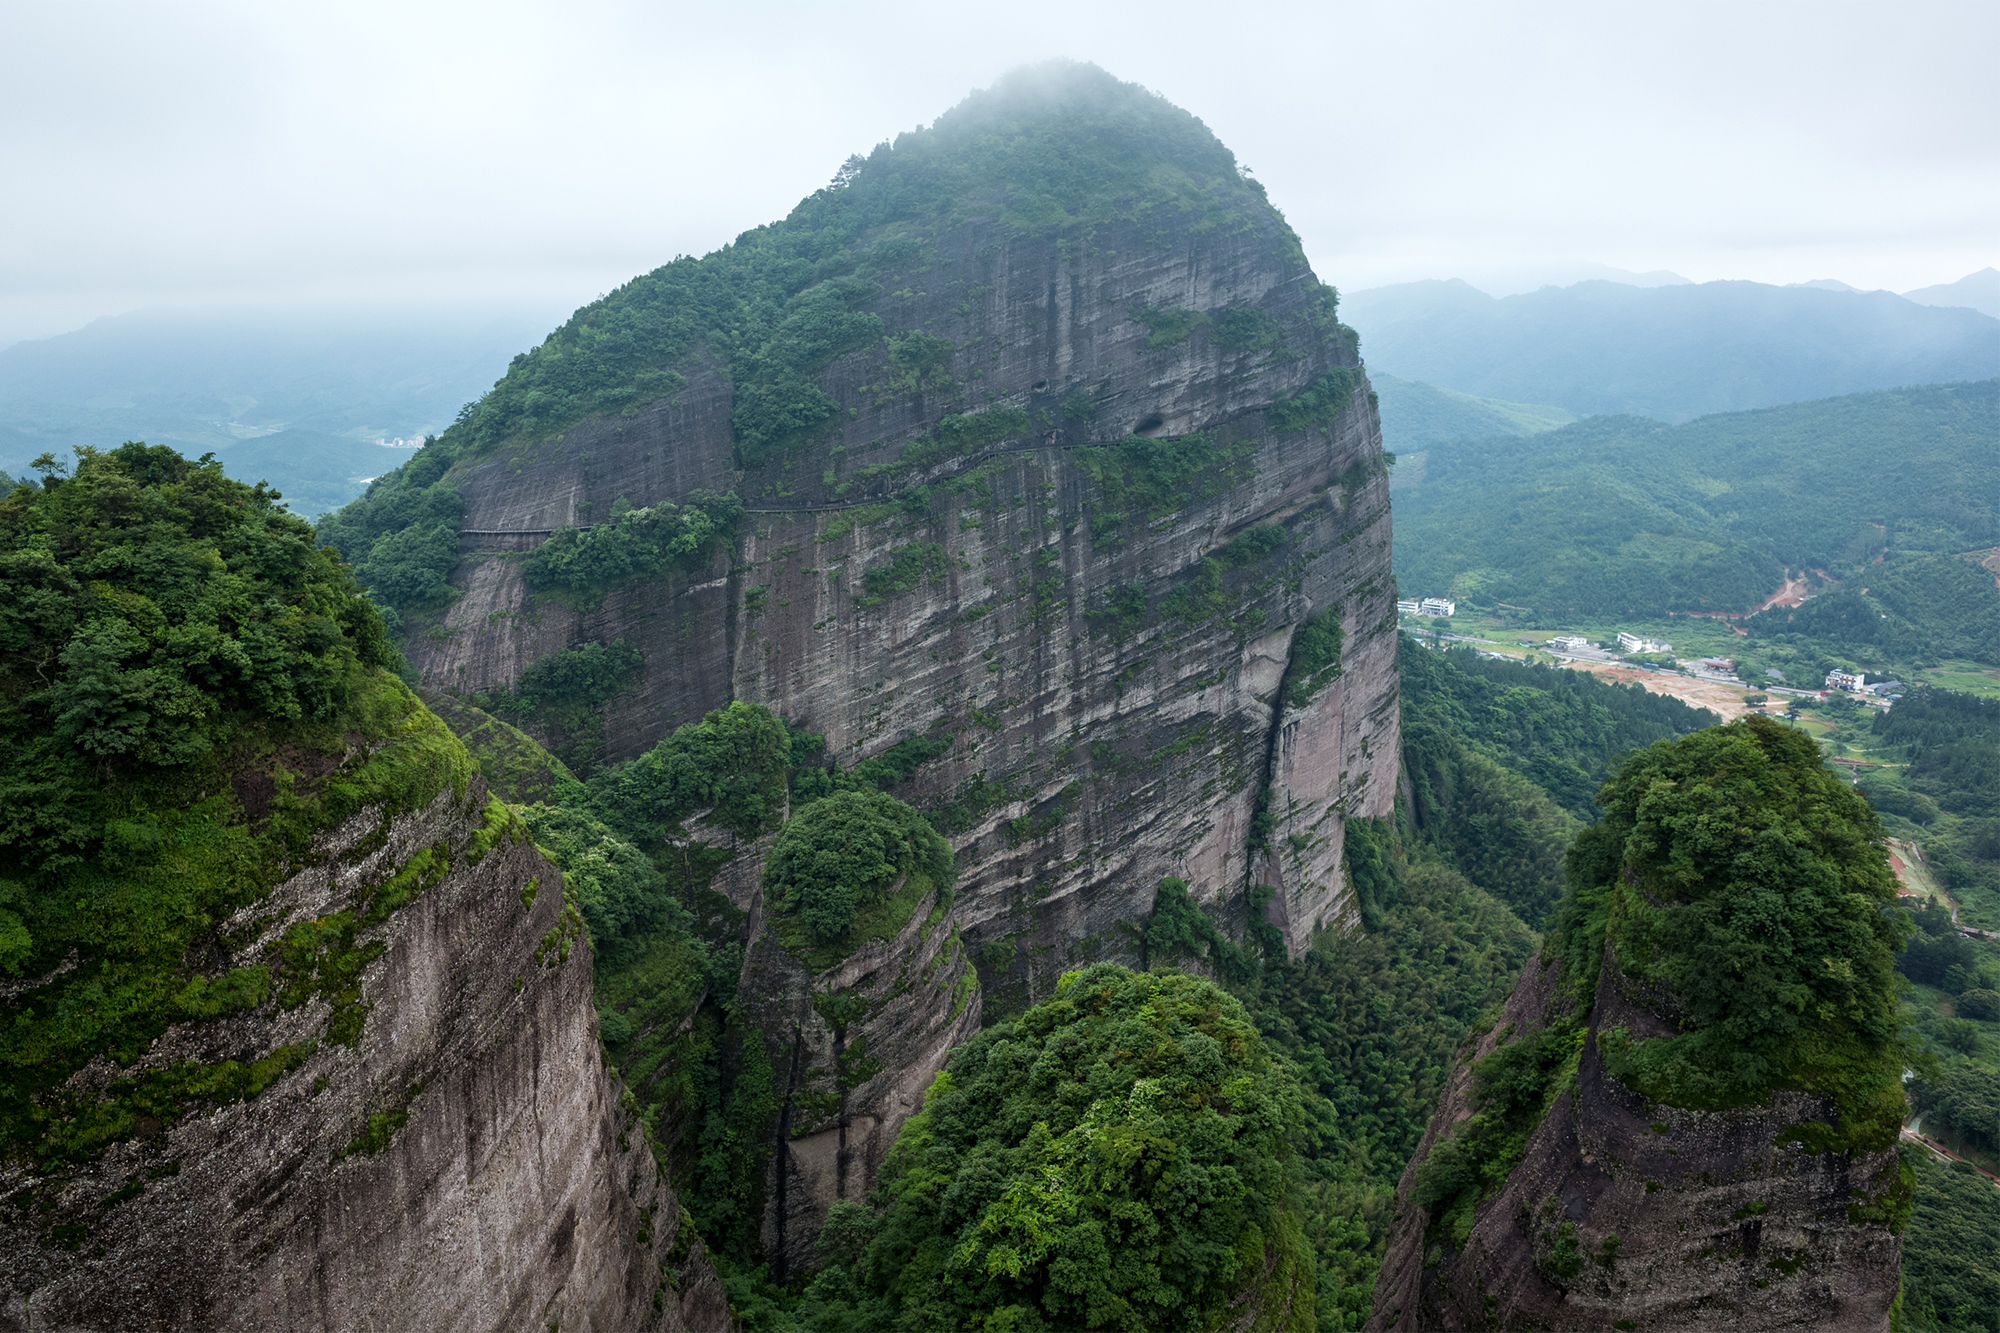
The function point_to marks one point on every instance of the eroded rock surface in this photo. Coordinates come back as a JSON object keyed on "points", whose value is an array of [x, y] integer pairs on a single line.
{"points": [[1680, 1219], [499, 1184], [1119, 675]]}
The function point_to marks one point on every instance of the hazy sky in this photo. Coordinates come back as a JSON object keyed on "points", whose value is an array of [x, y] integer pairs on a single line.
{"points": [[168, 152]]}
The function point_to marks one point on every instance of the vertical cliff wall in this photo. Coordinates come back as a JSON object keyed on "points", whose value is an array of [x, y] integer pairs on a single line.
{"points": [[1153, 731], [1089, 496], [440, 1145]]}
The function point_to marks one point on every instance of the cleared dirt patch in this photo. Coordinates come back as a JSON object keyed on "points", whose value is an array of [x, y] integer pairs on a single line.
{"points": [[1726, 700]]}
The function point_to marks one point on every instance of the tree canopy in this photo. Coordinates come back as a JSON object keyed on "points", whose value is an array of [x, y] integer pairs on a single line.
{"points": [[1117, 1157], [150, 608], [839, 854]]}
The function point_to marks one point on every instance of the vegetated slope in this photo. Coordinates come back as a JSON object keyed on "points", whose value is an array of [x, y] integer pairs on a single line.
{"points": [[1669, 353], [1597, 1156], [1416, 415], [1951, 1280], [1942, 802], [285, 996], [185, 377], [1617, 515], [1946, 791]]}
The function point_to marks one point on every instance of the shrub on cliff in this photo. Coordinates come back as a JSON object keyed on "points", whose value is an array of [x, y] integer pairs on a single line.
{"points": [[586, 561], [840, 854], [732, 763], [1117, 1157], [1737, 873]]}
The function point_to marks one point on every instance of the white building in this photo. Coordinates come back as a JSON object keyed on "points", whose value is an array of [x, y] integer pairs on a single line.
{"points": [[1639, 643], [1844, 680], [1569, 643], [1409, 608], [1438, 606]]}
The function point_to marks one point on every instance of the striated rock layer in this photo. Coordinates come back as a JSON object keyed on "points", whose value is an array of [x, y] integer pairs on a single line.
{"points": [[465, 1164], [1681, 1219], [1118, 675]]}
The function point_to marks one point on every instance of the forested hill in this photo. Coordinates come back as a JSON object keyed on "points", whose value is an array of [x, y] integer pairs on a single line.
{"points": [[1667, 352], [1416, 415], [1617, 515]]}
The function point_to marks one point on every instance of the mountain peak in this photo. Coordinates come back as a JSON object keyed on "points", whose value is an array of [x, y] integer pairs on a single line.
{"points": [[1978, 291]]}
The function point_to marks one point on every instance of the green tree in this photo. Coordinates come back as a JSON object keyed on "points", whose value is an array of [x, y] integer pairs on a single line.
{"points": [[1117, 1157], [732, 763], [842, 852]]}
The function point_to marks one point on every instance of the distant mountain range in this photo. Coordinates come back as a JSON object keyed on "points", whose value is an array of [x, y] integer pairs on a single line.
{"points": [[1978, 291], [1670, 352], [293, 396]]}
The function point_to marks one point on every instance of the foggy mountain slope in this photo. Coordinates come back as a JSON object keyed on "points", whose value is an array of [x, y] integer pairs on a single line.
{"points": [[1416, 415], [1977, 291], [1671, 352]]}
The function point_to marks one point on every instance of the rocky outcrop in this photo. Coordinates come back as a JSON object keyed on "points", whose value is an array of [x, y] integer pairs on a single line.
{"points": [[1633, 1214], [866, 1037], [1108, 635], [464, 1163]]}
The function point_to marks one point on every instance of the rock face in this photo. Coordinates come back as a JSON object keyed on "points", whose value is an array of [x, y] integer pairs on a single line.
{"points": [[465, 1164], [1680, 1219], [867, 1036], [1116, 664]]}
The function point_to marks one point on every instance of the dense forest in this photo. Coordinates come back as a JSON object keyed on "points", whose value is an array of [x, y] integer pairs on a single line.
{"points": [[1617, 515]]}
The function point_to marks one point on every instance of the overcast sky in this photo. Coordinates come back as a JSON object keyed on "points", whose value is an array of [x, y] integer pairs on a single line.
{"points": [[539, 154]]}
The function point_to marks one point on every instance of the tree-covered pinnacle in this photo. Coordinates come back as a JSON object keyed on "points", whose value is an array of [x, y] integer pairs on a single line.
{"points": [[1118, 1157], [1736, 872]]}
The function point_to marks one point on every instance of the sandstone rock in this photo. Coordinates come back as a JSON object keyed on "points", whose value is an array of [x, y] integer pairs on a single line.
{"points": [[513, 1190], [1093, 756], [1682, 1219]]}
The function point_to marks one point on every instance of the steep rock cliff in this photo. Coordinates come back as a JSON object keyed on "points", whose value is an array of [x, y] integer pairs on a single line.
{"points": [[443, 1147], [1648, 1137], [1666, 1218], [1101, 498]]}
